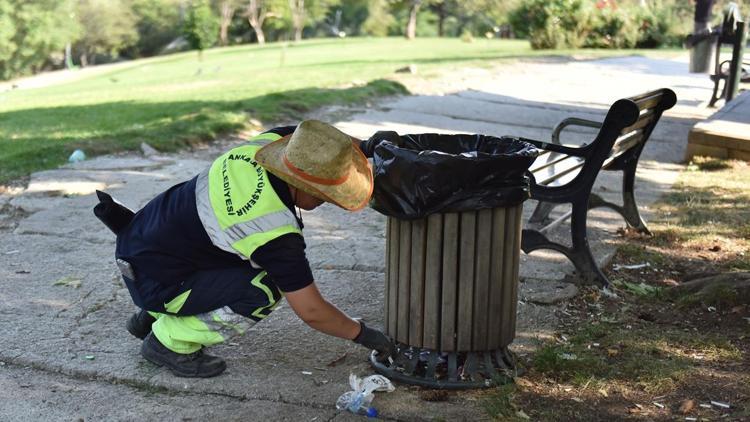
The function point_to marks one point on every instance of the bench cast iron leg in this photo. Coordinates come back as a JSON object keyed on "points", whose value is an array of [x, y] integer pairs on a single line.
{"points": [[714, 98], [631, 213], [629, 209], [580, 253]]}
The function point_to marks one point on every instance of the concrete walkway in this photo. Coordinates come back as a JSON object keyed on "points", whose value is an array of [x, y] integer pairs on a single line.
{"points": [[64, 353]]}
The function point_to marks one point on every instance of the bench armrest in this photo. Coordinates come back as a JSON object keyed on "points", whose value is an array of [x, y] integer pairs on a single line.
{"points": [[722, 70], [572, 121]]}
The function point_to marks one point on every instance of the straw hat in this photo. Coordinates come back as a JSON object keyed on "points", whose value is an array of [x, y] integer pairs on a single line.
{"points": [[322, 161]]}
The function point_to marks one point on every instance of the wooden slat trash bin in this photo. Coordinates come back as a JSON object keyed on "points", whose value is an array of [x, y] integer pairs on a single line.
{"points": [[451, 280], [451, 289]]}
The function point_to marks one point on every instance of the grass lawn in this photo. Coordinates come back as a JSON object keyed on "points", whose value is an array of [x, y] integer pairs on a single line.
{"points": [[174, 100]]}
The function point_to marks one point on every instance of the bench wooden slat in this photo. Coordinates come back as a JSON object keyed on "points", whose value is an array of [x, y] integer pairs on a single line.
{"points": [[548, 161], [626, 142], [644, 120], [563, 168], [565, 178], [648, 101]]}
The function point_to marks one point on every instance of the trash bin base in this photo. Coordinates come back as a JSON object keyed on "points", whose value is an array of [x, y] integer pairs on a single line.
{"points": [[448, 370]]}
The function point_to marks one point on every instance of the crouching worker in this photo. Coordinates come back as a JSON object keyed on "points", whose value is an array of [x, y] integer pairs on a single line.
{"points": [[210, 257]]}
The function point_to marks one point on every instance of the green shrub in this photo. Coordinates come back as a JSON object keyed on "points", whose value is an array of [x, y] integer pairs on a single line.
{"points": [[663, 24], [613, 27], [552, 23], [602, 23]]}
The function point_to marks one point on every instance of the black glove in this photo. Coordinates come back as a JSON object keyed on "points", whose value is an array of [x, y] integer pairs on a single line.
{"points": [[368, 146], [374, 339]]}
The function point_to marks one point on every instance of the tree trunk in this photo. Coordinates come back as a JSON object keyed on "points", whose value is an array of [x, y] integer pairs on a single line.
{"points": [[256, 14], [260, 36], [84, 60], [298, 17], [441, 19], [227, 11], [68, 56], [411, 26]]}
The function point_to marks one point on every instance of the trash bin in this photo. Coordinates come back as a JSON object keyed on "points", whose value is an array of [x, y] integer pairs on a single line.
{"points": [[702, 50], [454, 204]]}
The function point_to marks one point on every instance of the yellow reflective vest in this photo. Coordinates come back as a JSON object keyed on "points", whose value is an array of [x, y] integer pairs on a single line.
{"points": [[236, 203]]}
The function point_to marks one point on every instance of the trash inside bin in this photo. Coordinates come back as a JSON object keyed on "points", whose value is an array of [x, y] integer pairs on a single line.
{"points": [[419, 175]]}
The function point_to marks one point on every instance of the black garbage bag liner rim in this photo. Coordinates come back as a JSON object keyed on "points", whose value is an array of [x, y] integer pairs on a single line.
{"points": [[421, 174]]}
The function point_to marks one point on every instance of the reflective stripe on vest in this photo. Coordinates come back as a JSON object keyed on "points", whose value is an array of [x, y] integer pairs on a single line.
{"points": [[236, 203]]}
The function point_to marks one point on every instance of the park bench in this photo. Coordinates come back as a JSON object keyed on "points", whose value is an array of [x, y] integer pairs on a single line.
{"points": [[566, 174], [729, 73]]}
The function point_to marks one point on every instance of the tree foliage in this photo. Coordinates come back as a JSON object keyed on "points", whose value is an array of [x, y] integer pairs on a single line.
{"points": [[108, 26], [379, 18], [34, 33], [258, 11], [303, 12], [31, 31], [201, 28], [158, 24]]}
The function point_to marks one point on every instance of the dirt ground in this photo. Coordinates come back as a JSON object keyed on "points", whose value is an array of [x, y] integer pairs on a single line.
{"points": [[653, 353]]}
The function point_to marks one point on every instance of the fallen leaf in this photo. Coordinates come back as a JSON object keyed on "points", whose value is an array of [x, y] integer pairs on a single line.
{"points": [[523, 382], [521, 414], [577, 399], [687, 406], [613, 352], [69, 282], [603, 392], [670, 282]]}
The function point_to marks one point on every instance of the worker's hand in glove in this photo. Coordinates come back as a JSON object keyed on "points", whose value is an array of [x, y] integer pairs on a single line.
{"points": [[374, 339], [368, 146]]}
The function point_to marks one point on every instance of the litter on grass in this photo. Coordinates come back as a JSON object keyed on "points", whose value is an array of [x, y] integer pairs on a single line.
{"points": [[630, 267], [720, 404]]}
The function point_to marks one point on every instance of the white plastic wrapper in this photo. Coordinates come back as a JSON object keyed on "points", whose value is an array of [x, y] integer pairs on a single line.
{"points": [[358, 400], [371, 384]]}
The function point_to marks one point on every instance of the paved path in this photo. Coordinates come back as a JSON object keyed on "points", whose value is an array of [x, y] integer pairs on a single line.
{"points": [[64, 353]]}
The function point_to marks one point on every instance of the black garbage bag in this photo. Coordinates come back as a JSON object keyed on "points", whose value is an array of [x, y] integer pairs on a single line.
{"points": [[422, 174]]}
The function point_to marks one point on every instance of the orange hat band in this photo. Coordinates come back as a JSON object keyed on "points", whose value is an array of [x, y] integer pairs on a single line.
{"points": [[315, 179]]}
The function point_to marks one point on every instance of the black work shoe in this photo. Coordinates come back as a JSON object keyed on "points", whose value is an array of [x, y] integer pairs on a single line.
{"points": [[139, 324], [193, 365]]}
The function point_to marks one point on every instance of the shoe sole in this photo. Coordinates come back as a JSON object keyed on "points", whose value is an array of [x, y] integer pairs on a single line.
{"points": [[156, 360]]}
